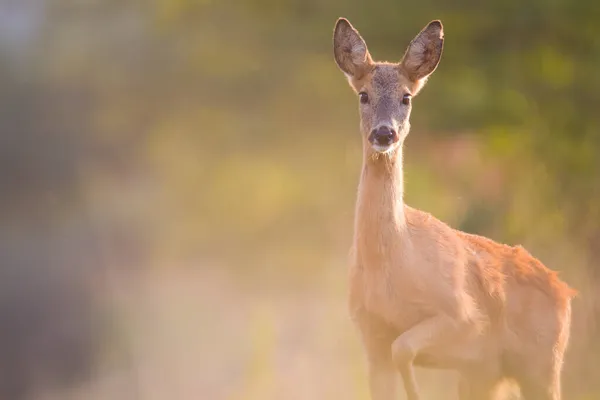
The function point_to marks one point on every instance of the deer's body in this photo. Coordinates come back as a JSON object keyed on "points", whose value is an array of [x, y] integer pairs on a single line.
{"points": [[422, 293]]}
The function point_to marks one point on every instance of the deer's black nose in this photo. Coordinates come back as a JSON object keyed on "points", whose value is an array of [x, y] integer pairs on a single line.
{"points": [[383, 136]]}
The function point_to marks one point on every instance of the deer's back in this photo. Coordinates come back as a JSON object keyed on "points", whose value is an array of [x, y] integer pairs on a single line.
{"points": [[504, 269], [522, 302], [526, 300]]}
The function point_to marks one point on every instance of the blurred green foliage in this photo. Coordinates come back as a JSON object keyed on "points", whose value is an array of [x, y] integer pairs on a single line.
{"points": [[220, 132]]}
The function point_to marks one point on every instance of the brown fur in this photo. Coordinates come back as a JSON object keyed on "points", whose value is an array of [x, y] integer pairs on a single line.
{"points": [[422, 293]]}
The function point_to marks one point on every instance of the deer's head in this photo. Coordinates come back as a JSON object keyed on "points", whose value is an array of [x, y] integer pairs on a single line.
{"points": [[385, 90]]}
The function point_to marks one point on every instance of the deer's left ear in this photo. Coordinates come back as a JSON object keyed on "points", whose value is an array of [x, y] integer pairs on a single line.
{"points": [[350, 50], [424, 52]]}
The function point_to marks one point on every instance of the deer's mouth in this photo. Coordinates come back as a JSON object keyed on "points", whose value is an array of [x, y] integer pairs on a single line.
{"points": [[383, 149]]}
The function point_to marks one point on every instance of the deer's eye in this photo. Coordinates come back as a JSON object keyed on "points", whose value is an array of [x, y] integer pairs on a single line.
{"points": [[363, 97], [406, 99]]}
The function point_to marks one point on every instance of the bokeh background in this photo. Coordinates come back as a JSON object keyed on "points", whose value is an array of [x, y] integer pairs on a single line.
{"points": [[178, 177]]}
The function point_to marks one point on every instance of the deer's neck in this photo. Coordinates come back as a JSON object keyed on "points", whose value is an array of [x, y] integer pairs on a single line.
{"points": [[380, 223]]}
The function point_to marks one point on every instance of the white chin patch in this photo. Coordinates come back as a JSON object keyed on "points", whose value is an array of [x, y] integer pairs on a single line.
{"points": [[383, 149]]}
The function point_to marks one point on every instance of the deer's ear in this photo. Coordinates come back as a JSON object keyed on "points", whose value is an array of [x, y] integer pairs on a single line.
{"points": [[424, 52], [350, 50]]}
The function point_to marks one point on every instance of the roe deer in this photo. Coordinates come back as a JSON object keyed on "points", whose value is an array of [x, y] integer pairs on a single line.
{"points": [[422, 293]]}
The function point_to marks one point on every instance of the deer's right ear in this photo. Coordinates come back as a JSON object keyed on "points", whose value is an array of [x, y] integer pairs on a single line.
{"points": [[424, 52], [350, 50]]}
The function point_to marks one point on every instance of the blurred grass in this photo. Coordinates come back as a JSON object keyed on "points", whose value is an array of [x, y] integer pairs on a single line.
{"points": [[272, 343]]}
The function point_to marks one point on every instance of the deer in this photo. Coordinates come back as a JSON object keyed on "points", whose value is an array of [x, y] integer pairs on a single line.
{"points": [[422, 294]]}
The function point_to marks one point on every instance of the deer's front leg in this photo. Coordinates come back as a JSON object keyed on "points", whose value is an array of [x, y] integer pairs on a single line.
{"points": [[383, 380], [422, 337], [382, 374]]}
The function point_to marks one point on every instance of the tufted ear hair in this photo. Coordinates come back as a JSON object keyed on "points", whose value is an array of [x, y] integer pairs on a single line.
{"points": [[350, 50]]}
